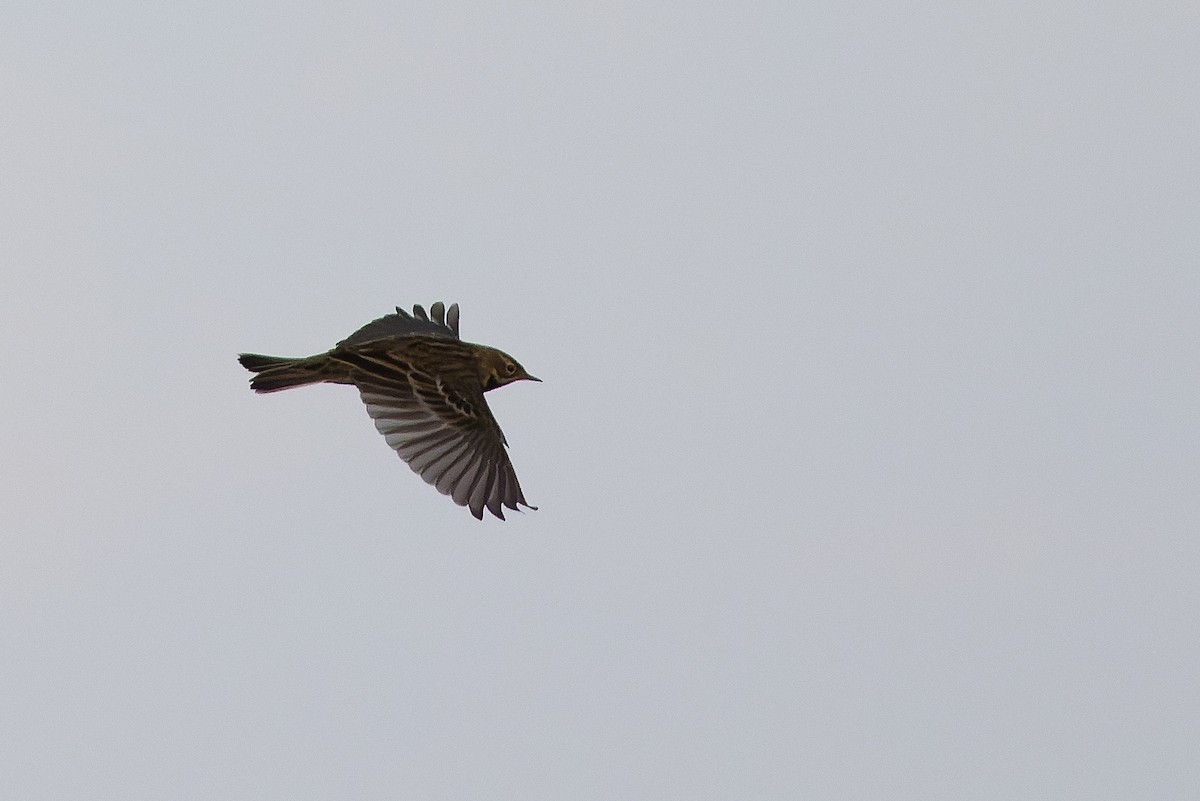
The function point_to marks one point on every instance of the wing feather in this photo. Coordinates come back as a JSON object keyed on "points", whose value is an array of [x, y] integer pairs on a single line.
{"points": [[479, 494], [467, 481]]}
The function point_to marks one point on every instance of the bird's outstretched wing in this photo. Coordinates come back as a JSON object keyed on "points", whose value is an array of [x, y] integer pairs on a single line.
{"points": [[447, 435], [443, 325]]}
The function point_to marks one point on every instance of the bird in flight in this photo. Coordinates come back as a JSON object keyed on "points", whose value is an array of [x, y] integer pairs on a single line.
{"points": [[423, 387]]}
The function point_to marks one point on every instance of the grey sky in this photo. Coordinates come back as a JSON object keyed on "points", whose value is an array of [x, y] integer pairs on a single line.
{"points": [[866, 453]]}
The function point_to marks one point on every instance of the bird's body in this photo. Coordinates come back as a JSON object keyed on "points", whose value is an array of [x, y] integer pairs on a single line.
{"points": [[424, 388]]}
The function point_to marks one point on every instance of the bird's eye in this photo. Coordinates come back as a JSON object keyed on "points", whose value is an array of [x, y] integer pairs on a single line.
{"points": [[510, 368]]}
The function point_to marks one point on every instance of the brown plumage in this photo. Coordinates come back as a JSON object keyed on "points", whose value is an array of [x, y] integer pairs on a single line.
{"points": [[424, 388]]}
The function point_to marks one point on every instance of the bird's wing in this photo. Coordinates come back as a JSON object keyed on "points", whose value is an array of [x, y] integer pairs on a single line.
{"points": [[443, 325], [447, 436]]}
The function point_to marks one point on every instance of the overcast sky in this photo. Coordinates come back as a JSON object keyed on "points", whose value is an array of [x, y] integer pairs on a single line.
{"points": [[867, 453]]}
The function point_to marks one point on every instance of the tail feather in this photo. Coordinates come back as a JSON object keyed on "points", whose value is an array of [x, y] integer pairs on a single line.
{"points": [[278, 372]]}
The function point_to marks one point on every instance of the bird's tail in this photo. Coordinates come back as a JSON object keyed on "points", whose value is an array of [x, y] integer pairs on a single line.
{"points": [[279, 372]]}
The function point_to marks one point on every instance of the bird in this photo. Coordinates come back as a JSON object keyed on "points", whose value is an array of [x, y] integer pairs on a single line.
{"points": [[424, 388]]}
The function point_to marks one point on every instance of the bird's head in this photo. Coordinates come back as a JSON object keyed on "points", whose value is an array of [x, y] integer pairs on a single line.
{"points": [[497, 368]]}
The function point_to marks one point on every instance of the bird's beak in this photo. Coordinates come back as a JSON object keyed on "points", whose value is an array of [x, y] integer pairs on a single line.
{"points": [[533, 378]]}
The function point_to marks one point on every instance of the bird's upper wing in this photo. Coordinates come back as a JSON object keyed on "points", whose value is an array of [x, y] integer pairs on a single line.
{"points": [[443, 325], [447, 435]]}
